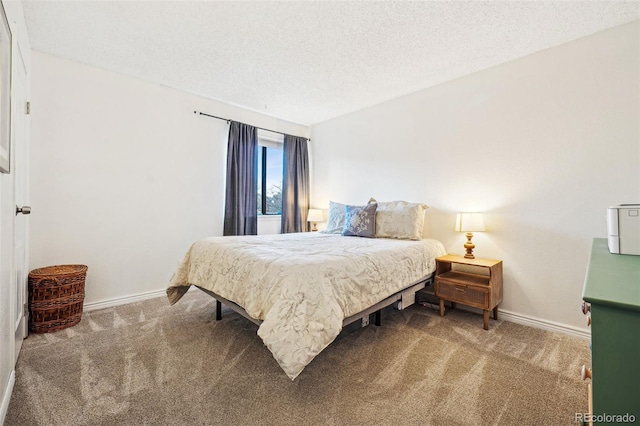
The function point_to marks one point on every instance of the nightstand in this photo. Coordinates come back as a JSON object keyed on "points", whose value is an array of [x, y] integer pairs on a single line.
{"points": [[470, 287]]}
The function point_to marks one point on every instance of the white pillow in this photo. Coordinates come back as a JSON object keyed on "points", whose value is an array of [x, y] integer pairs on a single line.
{"points": [[401, 220], [335, 221]]}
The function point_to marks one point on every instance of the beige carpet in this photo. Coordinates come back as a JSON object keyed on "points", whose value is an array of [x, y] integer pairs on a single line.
{"points": [[155, 364]]}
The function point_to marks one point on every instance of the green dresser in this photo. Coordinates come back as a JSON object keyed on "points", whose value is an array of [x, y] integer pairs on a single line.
{"points": [[612, 293]]}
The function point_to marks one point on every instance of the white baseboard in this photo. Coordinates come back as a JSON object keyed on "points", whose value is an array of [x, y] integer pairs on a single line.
{"points": [[532, 322], [506, 315], [543, 324], [7, 396], [124, 300]]}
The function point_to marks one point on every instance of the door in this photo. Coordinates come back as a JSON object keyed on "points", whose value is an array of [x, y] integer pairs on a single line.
{"points": [[21, 205], [7, 284]]}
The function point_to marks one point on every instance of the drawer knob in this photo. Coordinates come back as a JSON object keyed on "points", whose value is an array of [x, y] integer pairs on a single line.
{"points": [[585, 372], [589, 321], [585, 308]]}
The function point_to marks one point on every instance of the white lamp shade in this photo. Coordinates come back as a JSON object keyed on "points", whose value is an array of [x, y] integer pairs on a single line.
{"points": [[315, 215], [469, 222]]}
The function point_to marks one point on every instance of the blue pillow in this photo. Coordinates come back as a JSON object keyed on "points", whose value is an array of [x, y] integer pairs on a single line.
{"points": [[335, 222], [360, 221]]}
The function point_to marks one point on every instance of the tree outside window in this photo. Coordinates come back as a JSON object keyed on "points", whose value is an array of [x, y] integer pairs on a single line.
{"points": [[270, 159]]}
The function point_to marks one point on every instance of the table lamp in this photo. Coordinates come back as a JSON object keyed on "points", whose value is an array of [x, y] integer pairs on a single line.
{"points": [[469, 223], [315, 216]]}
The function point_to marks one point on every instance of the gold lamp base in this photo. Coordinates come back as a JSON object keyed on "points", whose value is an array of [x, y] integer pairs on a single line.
{"points": [[314, 226], [469, 246]]}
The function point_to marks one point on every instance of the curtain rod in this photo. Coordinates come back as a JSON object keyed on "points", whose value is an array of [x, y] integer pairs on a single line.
{"points": [[229, 120]]}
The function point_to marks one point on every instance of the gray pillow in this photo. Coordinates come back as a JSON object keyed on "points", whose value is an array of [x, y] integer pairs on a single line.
{"points": [[360, 221]]}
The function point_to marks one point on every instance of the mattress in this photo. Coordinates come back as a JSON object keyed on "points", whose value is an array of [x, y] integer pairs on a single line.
{"points": [[302, 285]]}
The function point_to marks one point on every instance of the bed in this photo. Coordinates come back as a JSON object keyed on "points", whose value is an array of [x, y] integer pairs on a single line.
{"points": [[302, 288]]}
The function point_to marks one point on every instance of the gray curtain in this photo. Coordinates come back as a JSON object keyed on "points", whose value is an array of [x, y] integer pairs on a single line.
{"points": [[241, 206], [295, 185]]}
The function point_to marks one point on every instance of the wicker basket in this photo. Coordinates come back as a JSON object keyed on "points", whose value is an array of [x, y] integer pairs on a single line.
{"points": [[56, 294]]}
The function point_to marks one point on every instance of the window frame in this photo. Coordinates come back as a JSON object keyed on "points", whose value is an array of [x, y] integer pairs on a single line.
{"points": [[267, 139]]}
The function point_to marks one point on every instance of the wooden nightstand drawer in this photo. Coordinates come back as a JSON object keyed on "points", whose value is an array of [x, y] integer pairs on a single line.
{"points": [[456, 291]]}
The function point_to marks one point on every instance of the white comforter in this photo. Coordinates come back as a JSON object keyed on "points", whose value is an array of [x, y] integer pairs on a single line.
{"points": [[303, 285]]}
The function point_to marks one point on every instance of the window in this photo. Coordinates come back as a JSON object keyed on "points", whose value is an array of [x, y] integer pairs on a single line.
{"points": [[269, 173]]}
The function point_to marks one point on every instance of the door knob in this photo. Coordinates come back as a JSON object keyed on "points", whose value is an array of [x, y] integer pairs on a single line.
{"points": [[23, 209]]}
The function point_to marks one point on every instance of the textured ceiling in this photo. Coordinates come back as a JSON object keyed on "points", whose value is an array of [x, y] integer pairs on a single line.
{"points": [[307, 61]]}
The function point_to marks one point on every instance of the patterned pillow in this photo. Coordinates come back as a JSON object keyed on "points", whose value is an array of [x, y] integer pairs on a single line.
{"points": [[335, 221], [401, 220], [360, 221]]}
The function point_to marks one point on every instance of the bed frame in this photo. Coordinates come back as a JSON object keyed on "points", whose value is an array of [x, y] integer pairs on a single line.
{"points": [[403, 299]]}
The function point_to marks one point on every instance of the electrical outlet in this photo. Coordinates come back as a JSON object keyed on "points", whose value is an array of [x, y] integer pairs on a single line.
{"points": [[365, 321]]}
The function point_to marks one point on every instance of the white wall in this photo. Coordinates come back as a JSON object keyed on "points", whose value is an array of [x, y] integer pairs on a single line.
{"points": [[542, 144], [124, 175]]}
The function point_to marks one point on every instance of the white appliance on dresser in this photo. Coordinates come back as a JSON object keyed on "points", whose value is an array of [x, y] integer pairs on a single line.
{"points": [[623, 228]]}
